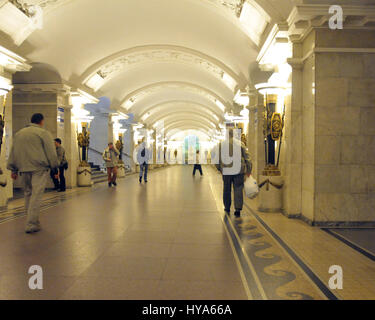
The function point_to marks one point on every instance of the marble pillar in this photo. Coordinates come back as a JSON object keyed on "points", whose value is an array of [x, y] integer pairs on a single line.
{"points": [[71, 148], [6, 192], [291, 151]]}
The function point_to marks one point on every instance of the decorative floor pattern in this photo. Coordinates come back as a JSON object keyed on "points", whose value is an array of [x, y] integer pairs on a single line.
{"points": [[276, 275]]}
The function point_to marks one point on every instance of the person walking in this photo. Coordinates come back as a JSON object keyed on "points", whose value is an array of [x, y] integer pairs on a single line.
{"points": [[32, 156], [57, 175], [110, 156], [197, 165], [143, 157], [234, 171]]}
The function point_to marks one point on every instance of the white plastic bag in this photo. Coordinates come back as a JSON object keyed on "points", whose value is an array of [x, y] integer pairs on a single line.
{"points": [[251, 188]]}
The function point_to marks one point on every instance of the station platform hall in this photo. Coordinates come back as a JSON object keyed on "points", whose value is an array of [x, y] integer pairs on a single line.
{"points": [[170, 240], [187, 150]]}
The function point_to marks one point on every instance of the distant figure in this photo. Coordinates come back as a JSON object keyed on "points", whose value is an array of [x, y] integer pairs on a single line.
{"points": [[237, 179], [57, 175], [110, 156], [143, 158], [197, 165], [32, 156]]}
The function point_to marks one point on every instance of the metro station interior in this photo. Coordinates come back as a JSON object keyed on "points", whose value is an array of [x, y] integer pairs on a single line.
{"points": [[295, 77]]}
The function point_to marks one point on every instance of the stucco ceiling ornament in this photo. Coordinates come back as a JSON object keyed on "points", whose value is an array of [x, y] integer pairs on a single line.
{"points": [[234, 5], [112, 68], [25, 5], [31, 7]]}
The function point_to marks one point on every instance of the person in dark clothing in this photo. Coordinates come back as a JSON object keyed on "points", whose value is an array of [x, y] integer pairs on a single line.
{"points": [[57, 174], [197, 165]]}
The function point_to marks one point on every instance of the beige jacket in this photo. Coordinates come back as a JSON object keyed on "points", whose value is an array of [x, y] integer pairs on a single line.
{"points": [[111, 157], [33, 150]]}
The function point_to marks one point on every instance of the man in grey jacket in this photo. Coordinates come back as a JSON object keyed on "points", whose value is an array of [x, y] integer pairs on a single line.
{"points": [[32, 156]]}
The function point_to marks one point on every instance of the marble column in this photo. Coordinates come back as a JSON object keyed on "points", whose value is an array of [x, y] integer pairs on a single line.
{"points": [[258, 147], [291, 159], [6, 192], [111, 137], [129, 147], [71, 148]]}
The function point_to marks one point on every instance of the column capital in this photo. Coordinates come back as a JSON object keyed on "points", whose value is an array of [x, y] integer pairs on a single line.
{"points": [[296, 63], [306, 17]]}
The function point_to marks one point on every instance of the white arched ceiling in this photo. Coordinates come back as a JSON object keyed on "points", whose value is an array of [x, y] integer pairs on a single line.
{"points": [[135, 98], [125, 83], [181, 119], [106, 69], [168, 95], [156, 113], [155, 51], [180, 135], [81, 33], [186, 129], [198, 123]]}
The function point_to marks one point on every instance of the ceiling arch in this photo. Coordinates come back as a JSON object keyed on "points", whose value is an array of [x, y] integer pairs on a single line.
{"points": [[158, 113], [180, 135], [125, 83], [180, 117], [105, 69], [229, 9], [123, 25], [160, 110], [180, 114], [186, 128], [188, 123], [135, 97], [167, 97]]}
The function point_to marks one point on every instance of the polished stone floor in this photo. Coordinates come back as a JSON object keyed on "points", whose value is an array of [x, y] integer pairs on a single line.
{"points": [[163, 240], [170, 240]]}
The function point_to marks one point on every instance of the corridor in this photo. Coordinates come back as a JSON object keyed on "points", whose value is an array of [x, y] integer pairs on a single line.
{"points": [[163, 240], [169, 240]]}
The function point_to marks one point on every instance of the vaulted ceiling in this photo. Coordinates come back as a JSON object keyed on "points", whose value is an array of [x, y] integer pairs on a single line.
{"points": [[175, 60]]}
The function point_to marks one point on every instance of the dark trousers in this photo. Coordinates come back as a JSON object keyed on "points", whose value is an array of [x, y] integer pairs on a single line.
{"points": [[112, 174], [60, 182], [198, 167], [143, 168], [238, 182]]}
